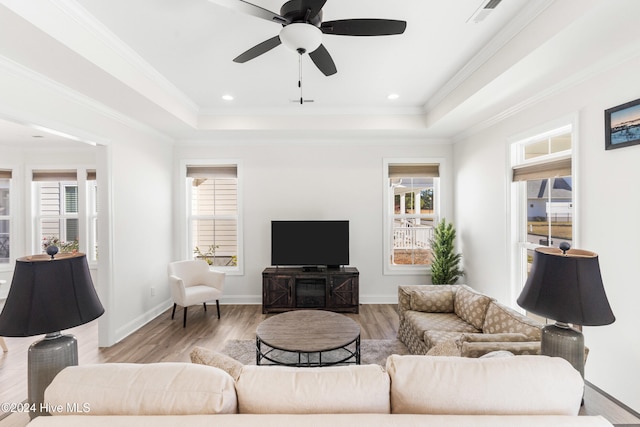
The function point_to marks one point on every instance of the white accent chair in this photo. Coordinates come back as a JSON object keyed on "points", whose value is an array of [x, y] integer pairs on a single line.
{"points": [[193, 282]]}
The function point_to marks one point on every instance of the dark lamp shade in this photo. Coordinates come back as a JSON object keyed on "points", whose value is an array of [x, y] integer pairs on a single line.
{"points": [[49, 295], [567, 288]]}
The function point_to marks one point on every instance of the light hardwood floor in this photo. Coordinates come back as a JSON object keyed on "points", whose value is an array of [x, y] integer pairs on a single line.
{"points": [[164, 340]]}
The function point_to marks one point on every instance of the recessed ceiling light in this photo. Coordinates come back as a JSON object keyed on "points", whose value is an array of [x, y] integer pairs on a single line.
{"points": [[227, 97], [393, 96]]}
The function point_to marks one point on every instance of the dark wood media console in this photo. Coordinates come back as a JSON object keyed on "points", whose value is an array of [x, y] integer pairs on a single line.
{"points": [[289, 288]]}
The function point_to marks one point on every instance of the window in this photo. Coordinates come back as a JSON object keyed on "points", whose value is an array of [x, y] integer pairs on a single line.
{"points": [[213, 218], [543, 202], [5, 218], [57, 209], [66, 210], [412, 210]]}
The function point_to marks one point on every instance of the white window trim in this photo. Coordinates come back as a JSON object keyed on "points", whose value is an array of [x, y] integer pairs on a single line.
{"points": [[13, 217], [186, 244], [516, 190], [92, 221], [441, 212]]}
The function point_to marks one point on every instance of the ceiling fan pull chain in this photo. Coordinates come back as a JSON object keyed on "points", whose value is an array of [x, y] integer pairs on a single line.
{"points": [[300, 77]]}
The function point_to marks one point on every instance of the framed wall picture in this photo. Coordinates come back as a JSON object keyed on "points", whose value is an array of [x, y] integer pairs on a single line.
{"points": [[622, 125]]}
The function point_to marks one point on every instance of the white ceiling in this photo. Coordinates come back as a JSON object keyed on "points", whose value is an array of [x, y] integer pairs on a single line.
{"points": [[167, 63], [193, 42]]}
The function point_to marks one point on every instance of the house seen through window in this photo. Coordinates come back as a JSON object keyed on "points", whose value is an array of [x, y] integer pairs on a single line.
{"points": [[213, 214], [64, 209], [5, 218], [545, 205]]}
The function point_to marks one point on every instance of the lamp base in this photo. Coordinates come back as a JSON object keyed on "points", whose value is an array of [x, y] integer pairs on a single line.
{"points": [[561, 340], [46, 358]]}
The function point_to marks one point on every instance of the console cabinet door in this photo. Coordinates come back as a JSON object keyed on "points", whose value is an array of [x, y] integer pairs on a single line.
{"points": [[343, 290], [277, 291]]}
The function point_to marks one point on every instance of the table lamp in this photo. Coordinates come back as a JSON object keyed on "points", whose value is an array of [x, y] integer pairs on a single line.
{"points": [[565, 285], [48, 294]]}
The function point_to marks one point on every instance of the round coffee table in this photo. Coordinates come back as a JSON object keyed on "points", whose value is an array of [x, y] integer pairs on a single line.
{"points": [[308, 338]]}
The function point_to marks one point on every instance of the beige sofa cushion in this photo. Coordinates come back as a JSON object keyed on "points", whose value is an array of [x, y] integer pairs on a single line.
{"points": [[433, 338], [448, 322], [327, 390], [501, 319], [432, 300], [520, 385], [144, 389], [471, 306]]}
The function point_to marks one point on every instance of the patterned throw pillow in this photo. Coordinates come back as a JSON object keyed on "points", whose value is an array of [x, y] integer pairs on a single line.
{"points": [[204, 356], [471, 306], [432, 301]]}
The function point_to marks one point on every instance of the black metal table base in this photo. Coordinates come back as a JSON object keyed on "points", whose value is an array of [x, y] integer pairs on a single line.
{"points": [[343, 355]]}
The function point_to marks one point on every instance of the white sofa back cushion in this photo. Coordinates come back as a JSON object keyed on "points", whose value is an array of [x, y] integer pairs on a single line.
{"points": [[327, 390], [519, 385], [143, 389]]}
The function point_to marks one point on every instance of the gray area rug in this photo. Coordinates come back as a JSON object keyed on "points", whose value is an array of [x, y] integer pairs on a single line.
{"points": [[371, 352]]}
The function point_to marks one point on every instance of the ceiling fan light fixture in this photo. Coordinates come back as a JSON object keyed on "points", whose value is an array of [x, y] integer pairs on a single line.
{"points": [[301, 37]]}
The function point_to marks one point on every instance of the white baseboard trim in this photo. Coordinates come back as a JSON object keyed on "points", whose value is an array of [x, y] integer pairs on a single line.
{"points": [[146, 317], [241, 300], [379, 299], [257, 299]]}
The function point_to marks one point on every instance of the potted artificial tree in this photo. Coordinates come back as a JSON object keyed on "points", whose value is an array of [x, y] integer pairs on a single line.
{"points": [[445, 263]]}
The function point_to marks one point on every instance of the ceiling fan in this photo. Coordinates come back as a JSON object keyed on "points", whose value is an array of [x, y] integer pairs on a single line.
{"points": [[303, 28]]}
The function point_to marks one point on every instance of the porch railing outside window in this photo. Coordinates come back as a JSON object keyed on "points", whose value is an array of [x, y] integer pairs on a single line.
{"points": [[5, 212]]}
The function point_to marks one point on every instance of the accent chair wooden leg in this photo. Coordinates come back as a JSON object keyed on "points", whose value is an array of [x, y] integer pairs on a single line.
{"points": [[184, 320], [204, 304], [218, 307], [173, 313], [3, 345]]}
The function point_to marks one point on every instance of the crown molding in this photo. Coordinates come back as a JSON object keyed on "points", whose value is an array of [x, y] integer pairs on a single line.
{"points": [[312, 110], [605, 64], [34, 78], [67, 22], [529, 13], [89, 23]]}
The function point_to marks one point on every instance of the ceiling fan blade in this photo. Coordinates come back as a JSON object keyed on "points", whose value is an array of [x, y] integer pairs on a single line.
{"points": [[323, 61], [252, 9], [364, 27], [314, 6], [258, 50], [303, 10]]}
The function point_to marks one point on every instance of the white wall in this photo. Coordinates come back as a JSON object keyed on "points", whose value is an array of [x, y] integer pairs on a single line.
{"points": [[607, 210], [334, 179], [135, 195]]}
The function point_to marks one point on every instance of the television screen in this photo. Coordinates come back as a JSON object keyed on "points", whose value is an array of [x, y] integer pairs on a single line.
{"points": [[311, 243]]}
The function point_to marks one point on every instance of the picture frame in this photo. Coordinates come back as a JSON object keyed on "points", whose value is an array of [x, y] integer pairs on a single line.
{"points": [[622, 125]]}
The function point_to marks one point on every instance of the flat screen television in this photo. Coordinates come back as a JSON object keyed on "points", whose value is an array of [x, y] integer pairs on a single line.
{"points": [[310, 243]]}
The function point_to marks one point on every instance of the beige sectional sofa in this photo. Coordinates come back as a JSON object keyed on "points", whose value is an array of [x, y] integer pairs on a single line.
{"points": [[411, 391], [455, 320]]}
